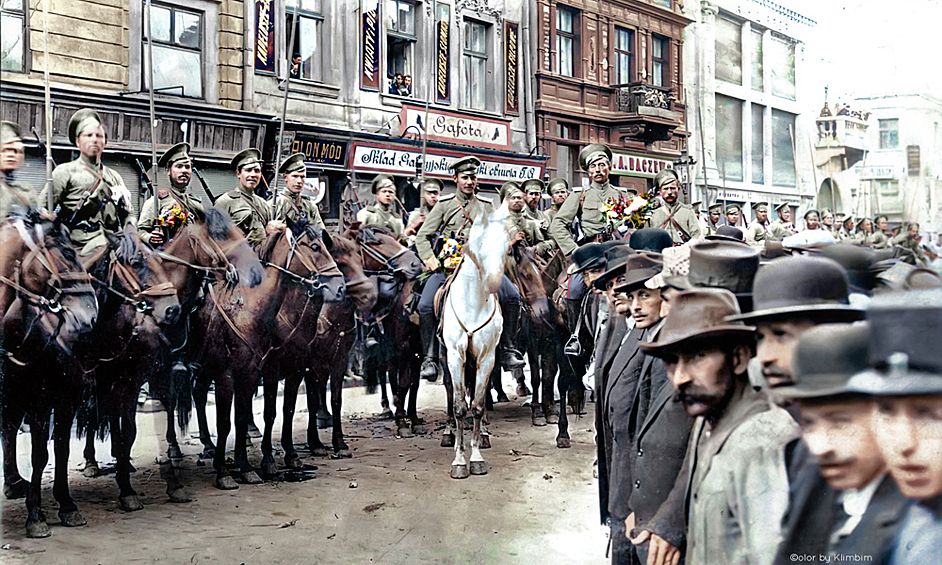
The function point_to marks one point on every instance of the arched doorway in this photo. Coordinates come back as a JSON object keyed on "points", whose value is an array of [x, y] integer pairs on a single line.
{"points": [[829, 196]]}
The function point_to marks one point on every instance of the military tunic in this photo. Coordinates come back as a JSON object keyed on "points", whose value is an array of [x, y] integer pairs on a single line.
{"points": [[880, 240], [248, 211], [903, 240], [592, 219], [757, 234], [83, 192], [448, 211], [780, 230], [710, 229], [297, 206], [523, 222], [550, 213], [14, 193], [376, 215], [149, 215], [422, 211], [680, 213]]}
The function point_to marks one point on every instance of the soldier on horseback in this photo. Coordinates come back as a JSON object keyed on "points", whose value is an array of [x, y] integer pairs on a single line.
{"points": [[248, 211], [176, 161], [382, 212], [292, 203], [12, 192], [452, 218], [558, 189], [521, 225], [431, 188]]}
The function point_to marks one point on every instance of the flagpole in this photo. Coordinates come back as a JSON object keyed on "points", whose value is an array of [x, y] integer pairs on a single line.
{"points": [[48, 128]]}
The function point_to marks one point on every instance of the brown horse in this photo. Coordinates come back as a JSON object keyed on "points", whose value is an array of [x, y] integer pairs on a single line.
{"points": [[236, 326], [47, 305]]}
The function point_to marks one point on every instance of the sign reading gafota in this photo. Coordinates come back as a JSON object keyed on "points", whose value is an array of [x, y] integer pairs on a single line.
{"points": [[638, 165], [437, 165], [454, 128]]}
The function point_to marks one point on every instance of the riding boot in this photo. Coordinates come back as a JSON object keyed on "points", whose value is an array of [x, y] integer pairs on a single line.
{"points": [[510, 358], [428, 327]]}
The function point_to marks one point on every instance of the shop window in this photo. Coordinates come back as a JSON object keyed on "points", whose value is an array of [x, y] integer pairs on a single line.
{"points": [[889, 134], [783, 149], [728, 50], [566, 40], [729, 137], [178, 51], [664, 3], [624, 55], [306, 53], [475, 64], [782, 62], [660, 61], [758, 144], [400, 45], [13, 35], [758, 65]]}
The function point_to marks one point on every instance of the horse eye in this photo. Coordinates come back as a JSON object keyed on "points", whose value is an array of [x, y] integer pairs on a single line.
{"points": [[316, 248]]}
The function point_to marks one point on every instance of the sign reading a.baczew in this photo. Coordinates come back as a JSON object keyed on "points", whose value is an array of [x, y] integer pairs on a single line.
{"points": [[386, 159], [452, 127], [637, 165], [510, 64], [264, 36], [369, 45]]}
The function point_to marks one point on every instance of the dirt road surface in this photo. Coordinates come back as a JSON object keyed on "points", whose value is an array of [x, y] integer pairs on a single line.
{"points": [[391, 503]]}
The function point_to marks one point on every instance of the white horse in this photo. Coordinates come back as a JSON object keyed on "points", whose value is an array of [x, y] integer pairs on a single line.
{"points": [[471, 327]]}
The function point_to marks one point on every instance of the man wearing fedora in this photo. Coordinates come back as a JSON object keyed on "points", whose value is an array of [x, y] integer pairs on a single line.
{"points": [[12, 154], [431, 190], [558, 190], [452, 217], [382, 212], [735, 482], [91, 198], [782, 227], [292, 202], [758, 231], [677, 218], [178, 165], [842, 501], [721, 263], [247, 210], [906, 378]]}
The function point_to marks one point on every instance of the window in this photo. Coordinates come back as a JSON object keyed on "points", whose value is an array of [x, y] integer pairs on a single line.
{"points": [[783, 149], [475, 65], [729, 137], [307, 39], [565, 40], [889, 134], [665, 3], [889, 197], [13, 35], [782, 62], [178, 51], [728, 50], [624, 56], [400, 42], [758, 144], [660, 57], [758, 65]]}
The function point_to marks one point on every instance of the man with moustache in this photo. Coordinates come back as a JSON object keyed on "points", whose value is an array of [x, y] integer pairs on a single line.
{"points": [[782, 227], [178, 165], [734, 484], [292, 202], [248, 211], [677, 218], [907, 417], [842, 500], [12, 153], [733, 214]]}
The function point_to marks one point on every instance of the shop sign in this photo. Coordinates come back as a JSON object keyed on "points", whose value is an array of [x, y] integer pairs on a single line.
{"points": [[320, 151], [397, 161], [265, 36], [510, 66], [451, 127], [741, 196], [913, 161], [878, 172], [443, 56], [636, 165], [369, 45]]}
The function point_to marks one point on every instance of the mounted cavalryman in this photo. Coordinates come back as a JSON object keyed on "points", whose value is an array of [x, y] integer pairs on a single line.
{"points": [[176, 161], [246, 209], [782, 227], [452, 218], [292, 202], [520, 225], [558, 189], [91, 198], [382, 212], [431, 189], [677, 218], [12, 192]]}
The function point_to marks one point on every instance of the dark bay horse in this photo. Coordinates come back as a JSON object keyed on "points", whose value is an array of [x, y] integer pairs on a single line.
{"points": [[236, 326]]}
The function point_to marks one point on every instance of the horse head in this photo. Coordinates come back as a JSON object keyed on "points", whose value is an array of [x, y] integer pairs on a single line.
{"points": [[138, 278], [226, 239], [361, 289], [43, 285], [383, 252], [487, 246], [303, 250]]}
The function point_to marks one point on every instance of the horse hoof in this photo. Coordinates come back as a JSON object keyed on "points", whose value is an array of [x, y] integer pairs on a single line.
{"points": [[485, 441], [538, 420], [174, 453], [293, 461], [448, 440], [178, 495], [478, 468], [226, 483], [341, 454], [72, 519], [563, 442], [404, 431], [208, 453], [91, 470], [269, 470], [386, 415], [319, 451], [324, 423], [16, 490], [459, 472], [251, 478], [552, 418], [37, 529], [522, 390], [501, 398], [130, 503]]}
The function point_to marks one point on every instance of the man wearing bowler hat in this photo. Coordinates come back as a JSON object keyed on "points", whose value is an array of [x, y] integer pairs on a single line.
{"points": [[734, 483], [248, 211], [178, 165], [12, 153], [558, 189], [906, 378], [431, 190], [292, 202], [677, 218], [843, 502]]}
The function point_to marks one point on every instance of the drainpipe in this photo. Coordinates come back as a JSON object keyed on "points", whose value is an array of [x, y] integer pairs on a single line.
{"points": [[529, 118], [248, 56]]}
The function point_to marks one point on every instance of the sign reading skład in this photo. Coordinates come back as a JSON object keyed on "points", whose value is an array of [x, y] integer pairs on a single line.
{"points": [[397, 161], [456, 128]]}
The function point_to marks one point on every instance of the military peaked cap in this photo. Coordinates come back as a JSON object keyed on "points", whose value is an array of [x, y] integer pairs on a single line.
{"points": [[250, 156], [509, 188], [665, 176], [733, 208], [557, 184], [9, 132], [81, 121], [593, 153], [432, 185], [292, 164], [716, 208], [468, 165], [177, 153], [760, 207], [532, 185], [382, 181]]}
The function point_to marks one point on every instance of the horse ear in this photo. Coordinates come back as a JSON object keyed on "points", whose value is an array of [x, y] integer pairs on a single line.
{"points": [[328, 241]]}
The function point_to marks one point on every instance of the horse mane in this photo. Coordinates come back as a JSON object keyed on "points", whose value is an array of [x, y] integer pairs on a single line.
{"points": [[367, 234], [218, 224], [130, 252], [343, 246], [267, 247]]}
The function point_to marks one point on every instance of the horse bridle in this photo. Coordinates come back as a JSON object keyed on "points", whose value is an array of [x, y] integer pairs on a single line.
{"points": [[133, 283], [391, 263], [216, 252], [312, 281]]}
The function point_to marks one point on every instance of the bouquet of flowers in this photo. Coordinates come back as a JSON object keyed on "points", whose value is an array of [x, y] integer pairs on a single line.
{"points": [[171, 220], [623, 212], [450, 254]]}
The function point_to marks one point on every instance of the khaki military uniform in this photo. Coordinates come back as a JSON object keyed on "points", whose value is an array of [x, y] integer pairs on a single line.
{"points": [[247, 211], [780, 230], [550, 213], [903, 240], [150, 212], [376, 215], [13, 193], [757, 234], [296, 207], [523, 222], [83, 192], [665, 217], [710, 229], [880, 240], [448, 211], [592, 220], [422, 211]]}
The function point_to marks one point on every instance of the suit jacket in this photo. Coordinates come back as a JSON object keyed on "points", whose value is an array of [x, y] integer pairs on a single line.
{"points": [[606, 347], [812, 515]]}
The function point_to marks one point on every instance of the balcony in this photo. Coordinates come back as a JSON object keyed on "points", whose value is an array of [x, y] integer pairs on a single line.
{"points": [[844, 135], [646, 113]]}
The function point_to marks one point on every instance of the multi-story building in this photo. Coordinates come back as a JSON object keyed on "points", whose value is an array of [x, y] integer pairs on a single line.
{"points": [[749, 129], [609, 71]]}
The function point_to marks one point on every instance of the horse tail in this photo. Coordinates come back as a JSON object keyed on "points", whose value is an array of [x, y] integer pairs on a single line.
{"points": [[90, 417], [181, 394]]}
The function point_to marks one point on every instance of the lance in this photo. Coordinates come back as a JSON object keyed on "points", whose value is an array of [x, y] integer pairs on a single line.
{"points": [[284, 110], [153, 117], [49, 161]]}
